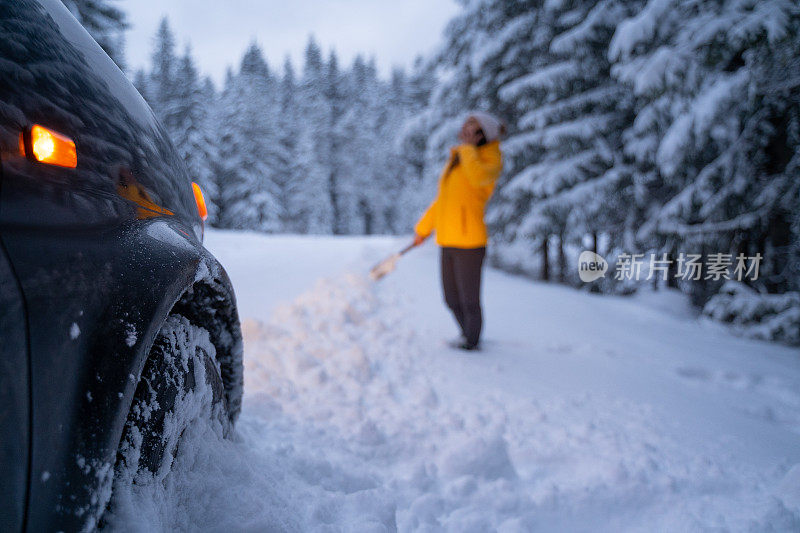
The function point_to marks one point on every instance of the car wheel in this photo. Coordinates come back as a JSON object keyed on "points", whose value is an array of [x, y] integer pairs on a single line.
{"points": [[180, 384]]}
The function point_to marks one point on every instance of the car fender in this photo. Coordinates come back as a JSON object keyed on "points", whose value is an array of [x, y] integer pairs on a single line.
{"points": [[85, 395]]}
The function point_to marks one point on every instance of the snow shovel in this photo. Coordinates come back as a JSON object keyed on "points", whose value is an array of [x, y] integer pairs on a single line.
{"points": [[388, 265]]}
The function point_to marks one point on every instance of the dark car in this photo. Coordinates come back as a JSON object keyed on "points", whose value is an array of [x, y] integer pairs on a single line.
{"points": [[117, 327]]}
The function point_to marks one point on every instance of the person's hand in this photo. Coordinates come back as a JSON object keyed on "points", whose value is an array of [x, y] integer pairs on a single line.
{"points": [[419, 239], [470, 132]]}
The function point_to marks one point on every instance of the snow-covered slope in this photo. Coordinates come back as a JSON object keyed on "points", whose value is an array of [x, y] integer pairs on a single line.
{"points": [[583, 412]]}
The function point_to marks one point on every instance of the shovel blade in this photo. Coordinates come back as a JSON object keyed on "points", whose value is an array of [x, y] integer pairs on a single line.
{"points": [[384, 267]]}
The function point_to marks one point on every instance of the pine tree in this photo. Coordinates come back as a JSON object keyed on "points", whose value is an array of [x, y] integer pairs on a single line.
{"points": [[715, 128], [248, 194], [565, 153], [193, 134], [339, 190], [141, 82], [313, 200], [361, 163], [162, 87], [287, 171], [409, 142]]}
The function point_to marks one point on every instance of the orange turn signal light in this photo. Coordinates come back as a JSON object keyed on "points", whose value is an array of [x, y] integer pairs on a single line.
{"points": [[51, 147], [200, 201]]}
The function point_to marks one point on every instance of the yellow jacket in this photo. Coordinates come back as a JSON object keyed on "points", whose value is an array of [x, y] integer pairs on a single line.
{"points": [[457, 212]]}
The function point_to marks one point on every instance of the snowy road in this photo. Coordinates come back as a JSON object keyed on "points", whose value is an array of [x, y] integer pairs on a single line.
{"points": [[582, 413]]}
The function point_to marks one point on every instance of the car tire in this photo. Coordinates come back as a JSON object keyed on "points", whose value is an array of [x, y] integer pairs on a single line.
{"points": [[181, 383]]}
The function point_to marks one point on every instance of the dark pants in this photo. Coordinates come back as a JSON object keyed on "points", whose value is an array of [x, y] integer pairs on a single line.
{"points": [[461, 284]]}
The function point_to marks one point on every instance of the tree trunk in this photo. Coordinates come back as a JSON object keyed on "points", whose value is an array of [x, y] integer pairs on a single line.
{"points": [[334, 199], [562, 259], [366, 215], [761, 247], [743, 247], [781, 240], [594, 287], [545, 260], [672, 281], [655, 277]]}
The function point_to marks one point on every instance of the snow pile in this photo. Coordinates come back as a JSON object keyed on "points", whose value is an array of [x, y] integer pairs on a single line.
{"points": [[339, 396], [196, 487], [215, 484], [759, 316]]}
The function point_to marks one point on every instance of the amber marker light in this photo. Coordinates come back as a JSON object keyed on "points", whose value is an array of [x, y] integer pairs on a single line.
{"points": [[52, 148], [200, 201]]}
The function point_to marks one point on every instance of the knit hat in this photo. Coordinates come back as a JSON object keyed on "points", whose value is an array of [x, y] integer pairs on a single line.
{"points": [[492, 127]]}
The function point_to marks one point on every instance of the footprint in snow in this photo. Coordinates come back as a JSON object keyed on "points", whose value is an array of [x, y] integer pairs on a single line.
{"points": [[694, 373]]}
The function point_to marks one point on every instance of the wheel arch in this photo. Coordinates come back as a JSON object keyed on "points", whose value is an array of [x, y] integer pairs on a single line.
{"points": [[129, 280]]}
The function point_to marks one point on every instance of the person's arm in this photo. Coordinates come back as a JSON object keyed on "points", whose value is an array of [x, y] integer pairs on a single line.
{"points": [[480, 172], [424, 226]]}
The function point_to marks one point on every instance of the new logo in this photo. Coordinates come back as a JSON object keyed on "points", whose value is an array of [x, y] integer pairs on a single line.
{"points": [[591, 266]]}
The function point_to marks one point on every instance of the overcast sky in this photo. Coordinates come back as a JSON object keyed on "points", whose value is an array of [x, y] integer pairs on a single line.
{"points": [[220, 30]]}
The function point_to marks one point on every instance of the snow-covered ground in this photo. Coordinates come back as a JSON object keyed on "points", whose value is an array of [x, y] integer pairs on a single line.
{"points": [[582, 412]]}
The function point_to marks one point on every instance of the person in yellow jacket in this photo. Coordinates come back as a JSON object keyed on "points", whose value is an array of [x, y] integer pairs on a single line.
{"points": [[456, 215]]}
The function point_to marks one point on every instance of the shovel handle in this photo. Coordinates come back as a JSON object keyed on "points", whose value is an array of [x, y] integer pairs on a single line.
{"points": [[406, 249]]}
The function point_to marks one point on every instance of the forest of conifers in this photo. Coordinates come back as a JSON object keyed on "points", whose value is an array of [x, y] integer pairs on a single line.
{"points": [[662, 127]]}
